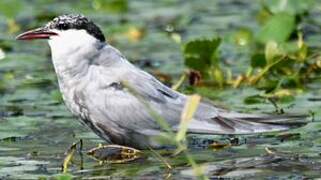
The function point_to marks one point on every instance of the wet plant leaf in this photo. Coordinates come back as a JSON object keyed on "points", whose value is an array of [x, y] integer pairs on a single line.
{"points": [[218, 75], [265, 70], [290, 6], [201, 54], [115, 154], [303, 48], [111, 5], [263, 15], [258, 60], [255, 99], [272, 51], [64, 176], [243, 37], [187, 115], [278, 28], [10, 8]]}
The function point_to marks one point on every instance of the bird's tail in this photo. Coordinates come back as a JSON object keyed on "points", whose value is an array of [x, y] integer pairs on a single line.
{"points": [[251, 123], [240, 123]]}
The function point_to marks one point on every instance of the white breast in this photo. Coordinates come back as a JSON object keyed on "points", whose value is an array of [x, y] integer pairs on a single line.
{"points": [[71, 51]]}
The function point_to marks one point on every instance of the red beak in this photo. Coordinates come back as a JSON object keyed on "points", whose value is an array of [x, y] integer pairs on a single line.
{"points": [[39, 33]]}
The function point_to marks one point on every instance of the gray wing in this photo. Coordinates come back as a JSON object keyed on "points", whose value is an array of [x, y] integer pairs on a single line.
{"points": [[129, 108], [146, 97], [126, 107], [208, 118]]}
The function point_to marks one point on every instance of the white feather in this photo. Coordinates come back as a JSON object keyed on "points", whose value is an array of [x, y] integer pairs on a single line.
{"points": [[69, 41]]}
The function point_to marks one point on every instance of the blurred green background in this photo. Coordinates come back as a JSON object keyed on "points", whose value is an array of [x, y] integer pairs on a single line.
{"points": [[251, 56]]}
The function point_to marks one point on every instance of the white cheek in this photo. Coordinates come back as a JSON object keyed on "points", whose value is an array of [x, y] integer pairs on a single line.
{"points": [[70, 40]]}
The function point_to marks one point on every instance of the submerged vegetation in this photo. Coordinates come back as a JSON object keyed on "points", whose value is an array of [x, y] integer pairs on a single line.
{"points": [[280, 59], [256, 56]]}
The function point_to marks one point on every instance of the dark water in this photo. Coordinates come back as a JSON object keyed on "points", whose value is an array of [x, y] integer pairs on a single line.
{"points": [[36, 129]]}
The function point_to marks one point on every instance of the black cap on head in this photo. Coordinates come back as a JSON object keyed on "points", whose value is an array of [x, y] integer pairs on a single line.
{"points": [[76, 21]]}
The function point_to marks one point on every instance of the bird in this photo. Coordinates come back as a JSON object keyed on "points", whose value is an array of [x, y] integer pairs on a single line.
{"points": [[114, 98]]}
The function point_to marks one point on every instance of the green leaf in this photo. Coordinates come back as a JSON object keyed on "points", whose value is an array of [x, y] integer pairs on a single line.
{"points": [[64, 176], [10, 8], [272, 51], [200, 54], [278, 28], [187, 115], [289, 6], [111, 5], [243, 37], [258, 60], [255, 99], [218, 76]]}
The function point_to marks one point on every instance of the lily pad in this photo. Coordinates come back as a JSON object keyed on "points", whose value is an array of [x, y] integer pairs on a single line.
{"points": [[278, 28], [115, 154]]}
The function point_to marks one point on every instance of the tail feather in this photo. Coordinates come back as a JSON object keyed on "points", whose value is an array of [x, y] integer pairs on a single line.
{"points": [[239, 123], [288, 120]]}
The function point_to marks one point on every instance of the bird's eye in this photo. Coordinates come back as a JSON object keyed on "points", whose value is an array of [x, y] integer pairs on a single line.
{"points": [[62, 26]]}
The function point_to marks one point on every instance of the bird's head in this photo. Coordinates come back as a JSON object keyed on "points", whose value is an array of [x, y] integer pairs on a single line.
{"points": [[66, 32]]}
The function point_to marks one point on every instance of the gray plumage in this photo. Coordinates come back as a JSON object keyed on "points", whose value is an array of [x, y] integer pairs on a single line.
{"points": [[110, 95]]}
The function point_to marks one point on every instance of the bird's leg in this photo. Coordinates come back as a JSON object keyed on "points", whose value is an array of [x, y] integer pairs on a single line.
{"points": [[114, 153], [75, 147]]}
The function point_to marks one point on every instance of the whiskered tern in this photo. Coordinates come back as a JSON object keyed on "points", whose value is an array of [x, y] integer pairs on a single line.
{"points": [[91, 75]]}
